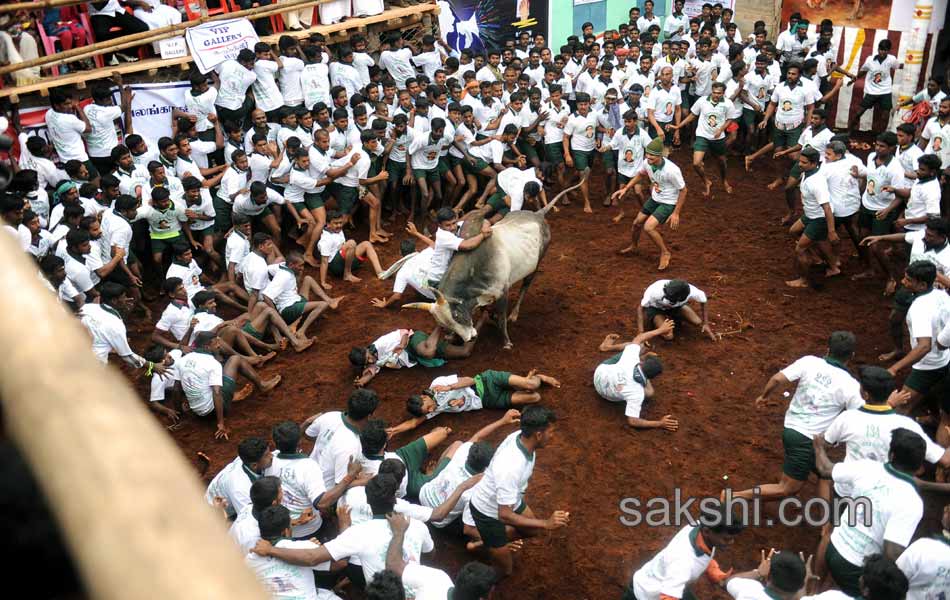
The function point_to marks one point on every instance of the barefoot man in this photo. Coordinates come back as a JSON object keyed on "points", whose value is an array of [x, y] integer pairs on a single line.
{"points": [[817, 225], [665, 203], [669, 299], [711, 112]]}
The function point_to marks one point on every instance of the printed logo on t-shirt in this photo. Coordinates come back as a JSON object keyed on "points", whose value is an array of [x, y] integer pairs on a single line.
{"points": [[761, 94], [656, 188], [787, 105], [872, 187], [431, 155], [712, 121], [589, 132], [938, 143], [878, 78], [669, 108], [628, 156]]}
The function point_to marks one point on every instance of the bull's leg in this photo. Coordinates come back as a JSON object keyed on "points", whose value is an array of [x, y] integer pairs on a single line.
{"points": [[525, 283], [501, 312]]}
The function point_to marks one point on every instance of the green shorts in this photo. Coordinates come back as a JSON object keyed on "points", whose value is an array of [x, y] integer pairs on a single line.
{"points": [[443, 167], [249, 329], [527, 148], [799, 455], [651, 312], [554, 153], [480, 165], [313, 201], [923, 381], [846, 220], [497, 202], [623, 179], [882, 101], [845, 574], [258, 219], [228, 386], [201, 234], [160, 245], [783, 138], [667, 135], [451, 160], [222, 215], [492, 388], [346, 197], [419, 337], [795, 171], [660, 212], [750, 117], [396, 170], [714, 147], [582, 158], [492, 531], [337, 266], [815, 229], [430, 175], [293, 312], [414, 455], [867, 220], [610, 160]]}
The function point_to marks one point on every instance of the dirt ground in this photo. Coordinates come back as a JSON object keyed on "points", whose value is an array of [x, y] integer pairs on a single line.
{"points": [[733, 248]]}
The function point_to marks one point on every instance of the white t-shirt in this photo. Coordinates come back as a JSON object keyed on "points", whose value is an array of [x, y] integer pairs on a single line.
{"points": [[667, 181], [582, 129], [266, 93], [175, 319], [790, 104], [446, 244], [844, 191], [926, 318], [65, 131], [321, 430], [343, 443], [512, 181], [663, 102], [189, 274], [630, 150], [890, 173], [824, 391], [746, 589], [878, 80], [233, 483], [815, 194], [245, 531], [315, 82], [108, 332], [711, 117], [330, 243], [302, 483], [467, 395], [235, 79], [369, 542], [759, 88], [386, 346], [399, 65], [615, 380], [939, 256], [506, 479], [285, 581], [428, 583], [200, 371], [102, 137], [896, 509], [924, 200], [866, 431], [415, 273], [926, 563], [256, 272], [937, 135], [201, 106], [282, 289], [676, 566], [438, 490], [289, 81], [236, 249]]}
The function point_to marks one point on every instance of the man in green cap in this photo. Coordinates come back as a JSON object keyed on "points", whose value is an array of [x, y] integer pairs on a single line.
{"points": [[665, 203]]}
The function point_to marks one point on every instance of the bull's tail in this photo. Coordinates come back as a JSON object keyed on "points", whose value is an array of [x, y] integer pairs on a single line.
{"points": [[396, 266], [544, 211]]}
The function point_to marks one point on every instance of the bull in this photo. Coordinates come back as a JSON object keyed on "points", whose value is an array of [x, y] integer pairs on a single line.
{"points": [[484, 276]]}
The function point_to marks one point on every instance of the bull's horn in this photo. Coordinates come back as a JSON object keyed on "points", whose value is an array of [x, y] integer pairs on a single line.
{"points": [[426, 306], [439, 298]]}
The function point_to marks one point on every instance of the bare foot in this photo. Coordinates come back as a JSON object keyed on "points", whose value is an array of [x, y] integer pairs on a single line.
{"points": [[303, 345], [708, 192], [631, 249], [203, 462], [587, 208], [270, 384], [863, 275], [801, 282], [243, 393], [728, 186], [774, 185], [889, 356], [834, 272], [788, 218], [664, 261], [616, 220], [548, 380], [311, 260], [284, 342], [748, 164], [473, 546], [351, 278], [378, 239], [259, 360], [335, 302]]}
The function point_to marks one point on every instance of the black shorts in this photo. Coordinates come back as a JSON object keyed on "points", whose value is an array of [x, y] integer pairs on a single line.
{"points": [[882, 101]]}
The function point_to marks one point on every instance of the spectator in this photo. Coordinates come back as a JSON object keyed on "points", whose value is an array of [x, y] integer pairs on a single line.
{"points": [[17, 45], [63, 24], [109, 21], [156, 14]]}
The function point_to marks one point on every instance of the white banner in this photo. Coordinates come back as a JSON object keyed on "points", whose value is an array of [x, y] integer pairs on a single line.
{"points": [[213, 43], [152, 105], [694, 8]]}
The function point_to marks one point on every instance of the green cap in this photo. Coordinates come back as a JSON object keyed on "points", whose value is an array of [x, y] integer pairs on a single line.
{"points": [[655, 147]]}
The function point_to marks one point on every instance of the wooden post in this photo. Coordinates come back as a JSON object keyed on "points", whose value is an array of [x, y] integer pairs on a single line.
{"points": [[131, 509]]}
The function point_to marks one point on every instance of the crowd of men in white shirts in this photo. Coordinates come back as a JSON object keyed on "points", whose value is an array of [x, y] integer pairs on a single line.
{"points": [[286, 148]]}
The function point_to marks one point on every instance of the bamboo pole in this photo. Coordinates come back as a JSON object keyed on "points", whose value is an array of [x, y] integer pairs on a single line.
{"points": [[37, 4], [131, 509], [155, 35]]}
